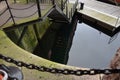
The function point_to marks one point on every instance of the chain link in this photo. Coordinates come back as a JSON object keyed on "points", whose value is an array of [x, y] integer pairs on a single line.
{"points": [[77, 72]]}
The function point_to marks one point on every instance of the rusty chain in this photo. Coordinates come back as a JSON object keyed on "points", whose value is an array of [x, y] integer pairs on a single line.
{"points": [[77, 72]]}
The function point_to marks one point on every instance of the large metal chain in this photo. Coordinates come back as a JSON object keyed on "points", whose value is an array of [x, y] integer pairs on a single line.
{"points": [[77, 72]]}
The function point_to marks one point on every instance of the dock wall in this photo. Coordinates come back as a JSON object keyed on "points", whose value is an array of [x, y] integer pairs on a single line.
{"points": [[101, 26], [27, 37]]}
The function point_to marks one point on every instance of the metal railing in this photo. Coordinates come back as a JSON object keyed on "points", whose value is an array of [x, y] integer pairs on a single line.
{"points": [[11, 11], [63, 4]]}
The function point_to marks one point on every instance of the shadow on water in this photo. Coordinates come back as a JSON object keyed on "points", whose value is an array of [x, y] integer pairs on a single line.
{"points": [[43, 49], [56, 42]]}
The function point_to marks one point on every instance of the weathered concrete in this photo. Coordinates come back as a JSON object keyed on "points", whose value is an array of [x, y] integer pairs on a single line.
{"points": [[100, 15], [102, 7], [8, 48]]}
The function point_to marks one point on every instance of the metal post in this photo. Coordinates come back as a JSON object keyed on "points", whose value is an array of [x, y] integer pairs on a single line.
{"points": [[62, 5], [10, 12], [81, 6], [14, 1], [38, 6]]}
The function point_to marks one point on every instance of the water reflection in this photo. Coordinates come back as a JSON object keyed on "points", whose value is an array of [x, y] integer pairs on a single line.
{"points": [[56, 43], [43, 48], [91, 49]]}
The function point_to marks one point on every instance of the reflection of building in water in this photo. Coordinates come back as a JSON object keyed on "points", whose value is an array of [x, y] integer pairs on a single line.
{"points": [[56, 42]]}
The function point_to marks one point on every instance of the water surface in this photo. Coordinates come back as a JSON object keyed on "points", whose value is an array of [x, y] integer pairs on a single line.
{"points": [[90, 49]]}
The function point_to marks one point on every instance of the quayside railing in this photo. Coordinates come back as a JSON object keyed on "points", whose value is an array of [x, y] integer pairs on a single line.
{"points": [[17, 12]]}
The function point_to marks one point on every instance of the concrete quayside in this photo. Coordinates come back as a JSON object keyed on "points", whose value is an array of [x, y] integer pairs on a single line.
{"points": [[23, 38]]}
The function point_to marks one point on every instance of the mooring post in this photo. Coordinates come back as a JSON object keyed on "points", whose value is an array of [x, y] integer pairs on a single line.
{"points": [[81, 5], [38, 6], [10, 12]]}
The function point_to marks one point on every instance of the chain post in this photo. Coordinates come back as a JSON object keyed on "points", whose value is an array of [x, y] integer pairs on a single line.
{"points": [[10, 12], [39, 9], [53, 2]]}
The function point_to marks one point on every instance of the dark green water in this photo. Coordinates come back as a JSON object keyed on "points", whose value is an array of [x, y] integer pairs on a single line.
{"points": [[90, 49]]}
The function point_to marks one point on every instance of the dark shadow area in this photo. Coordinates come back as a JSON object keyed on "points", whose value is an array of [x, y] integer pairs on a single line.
{"points": [[43, 49], [56, 43], [53, 45]]}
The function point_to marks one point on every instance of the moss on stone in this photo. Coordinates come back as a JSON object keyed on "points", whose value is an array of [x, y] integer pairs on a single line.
{"points": [[29, 40], [8, 48]]}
